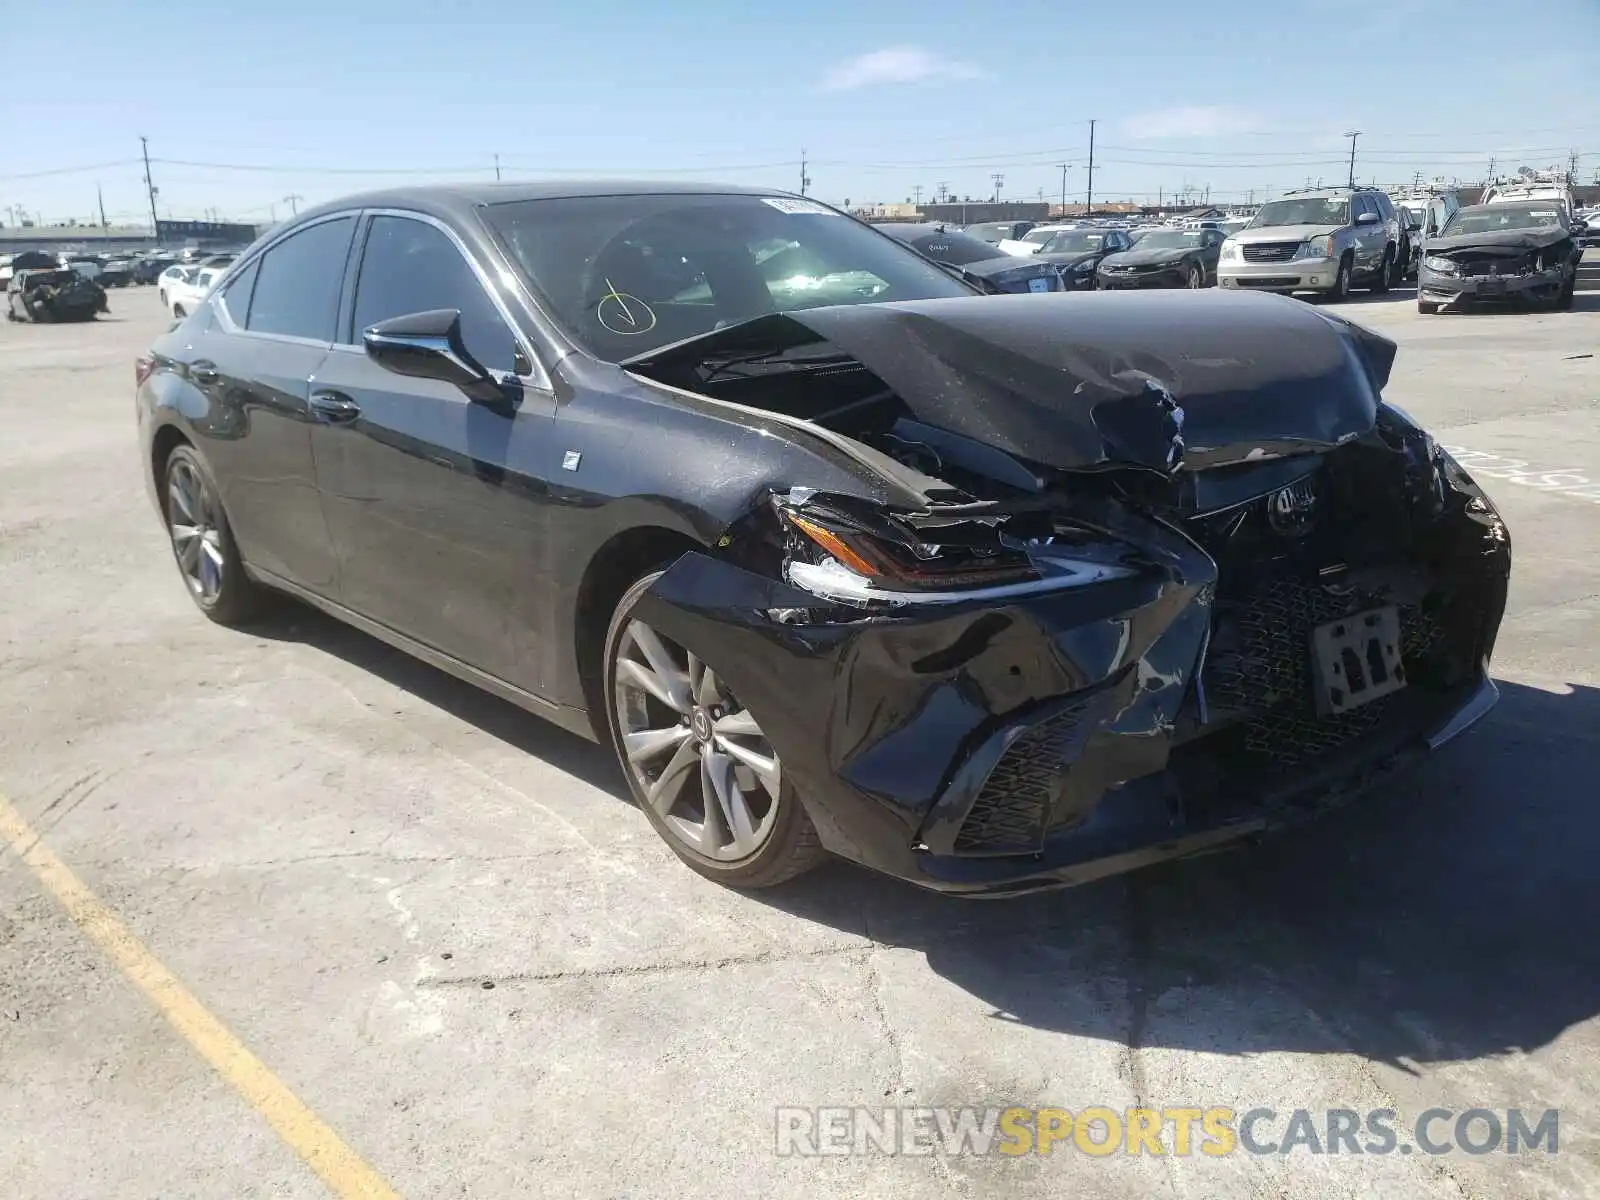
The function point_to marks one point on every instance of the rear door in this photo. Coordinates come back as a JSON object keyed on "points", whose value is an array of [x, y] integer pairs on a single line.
{"points": [[1370, 238], [256, 348], [436, 502]]}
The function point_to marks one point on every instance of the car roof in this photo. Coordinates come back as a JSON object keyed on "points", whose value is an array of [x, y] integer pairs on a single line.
{"points": [[459, 198]]}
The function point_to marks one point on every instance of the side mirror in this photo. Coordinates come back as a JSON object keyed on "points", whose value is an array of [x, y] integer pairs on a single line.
{"points": [[428, 345], [1367, 218]]}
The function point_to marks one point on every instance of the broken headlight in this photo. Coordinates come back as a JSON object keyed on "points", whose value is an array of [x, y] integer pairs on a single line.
{"points": [[1318, 248], [895, 560]]}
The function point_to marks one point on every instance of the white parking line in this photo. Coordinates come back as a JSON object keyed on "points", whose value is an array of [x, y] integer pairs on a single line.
{"points": [[1564, 481]]}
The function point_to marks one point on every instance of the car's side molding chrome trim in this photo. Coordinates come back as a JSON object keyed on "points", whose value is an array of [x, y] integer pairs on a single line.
{"points": [[1469, 714], [571, 719]]}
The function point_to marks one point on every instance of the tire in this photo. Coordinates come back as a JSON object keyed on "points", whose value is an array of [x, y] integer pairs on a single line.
{"points": [[1196, 277], [1384, 278], [178, 313], [186, 482], [1341, 281], [1426, 309], [1568, 293], [784, 843]]}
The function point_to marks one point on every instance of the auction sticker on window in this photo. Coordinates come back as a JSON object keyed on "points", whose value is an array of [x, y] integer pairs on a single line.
{"points": [[785, 204]]}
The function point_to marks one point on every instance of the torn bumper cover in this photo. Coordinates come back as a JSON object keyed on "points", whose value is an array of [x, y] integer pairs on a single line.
{"points": [[1033, 738]]}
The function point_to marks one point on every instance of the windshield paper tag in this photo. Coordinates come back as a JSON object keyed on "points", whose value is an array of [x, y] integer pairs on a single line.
{"points": [[798, 207]]}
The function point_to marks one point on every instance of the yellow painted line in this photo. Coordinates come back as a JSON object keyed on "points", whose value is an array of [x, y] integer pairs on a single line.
{"points": [[345, 1173]]}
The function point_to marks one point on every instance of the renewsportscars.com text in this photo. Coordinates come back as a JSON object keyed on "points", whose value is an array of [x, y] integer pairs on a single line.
{"points": [[1181, 1131]]}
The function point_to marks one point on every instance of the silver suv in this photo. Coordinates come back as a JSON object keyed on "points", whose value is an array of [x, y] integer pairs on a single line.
{"points": [[1319, 240]]}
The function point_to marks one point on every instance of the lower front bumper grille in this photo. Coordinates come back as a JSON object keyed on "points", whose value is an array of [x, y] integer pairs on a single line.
{"points": [[1009, 815], [1266, 673]]}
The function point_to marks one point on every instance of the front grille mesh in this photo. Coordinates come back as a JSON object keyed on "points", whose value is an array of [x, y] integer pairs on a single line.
{"points": [[1009, 814], [1269, 252], [1270, 676]]}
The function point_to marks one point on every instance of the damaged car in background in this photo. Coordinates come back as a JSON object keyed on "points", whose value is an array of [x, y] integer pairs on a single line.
{"points": [[53, 294], [1524, 250], [991, 593]]}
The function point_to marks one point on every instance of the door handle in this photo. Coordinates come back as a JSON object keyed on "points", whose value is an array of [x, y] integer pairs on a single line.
{"points": [[203, 370], [335, 408]]}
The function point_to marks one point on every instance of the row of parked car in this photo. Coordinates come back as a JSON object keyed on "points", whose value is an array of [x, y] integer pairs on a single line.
{"points": [[1523, 241]]}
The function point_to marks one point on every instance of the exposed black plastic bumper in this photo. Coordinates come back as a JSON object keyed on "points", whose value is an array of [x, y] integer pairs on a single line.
{"points": [[893, 729]]}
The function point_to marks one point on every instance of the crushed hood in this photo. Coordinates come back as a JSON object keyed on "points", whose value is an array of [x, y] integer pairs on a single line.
{"points": [[1148, 257], [1509, 240], [1077, 382]]}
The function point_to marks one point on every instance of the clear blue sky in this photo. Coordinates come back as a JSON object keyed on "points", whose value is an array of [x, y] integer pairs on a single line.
{"points": [[883, 94]]}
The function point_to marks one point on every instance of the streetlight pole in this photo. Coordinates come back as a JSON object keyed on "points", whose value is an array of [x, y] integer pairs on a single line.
{"points": [[1353, 135], [1088, 195]]}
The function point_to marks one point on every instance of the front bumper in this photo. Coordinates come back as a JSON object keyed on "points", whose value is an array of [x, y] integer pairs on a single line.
{"points": [[1047, 740], [1298, 275], [1174, 276], [1434, 287]]}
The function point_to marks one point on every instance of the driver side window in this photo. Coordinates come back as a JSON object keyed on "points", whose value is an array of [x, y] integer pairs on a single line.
{"points": [[410, 266]]}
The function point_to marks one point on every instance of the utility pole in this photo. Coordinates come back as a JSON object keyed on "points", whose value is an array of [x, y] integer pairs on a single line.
{"points": [[497, 168], [293, 201], [916, 192], [1063, 189], [1572, 166], [1353, 135], [999, 180], [150, 189], [1088, 194], [805, 180], [942, 192], [1490, 177], [101, 196]]}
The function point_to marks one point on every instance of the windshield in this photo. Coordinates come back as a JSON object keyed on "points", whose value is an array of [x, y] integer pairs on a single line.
{"points": [[1496, 217], [1173, 239], [1313, 210], [1076, 241], [1038, 236], [626, 274], [957, 249], [992, 231]]}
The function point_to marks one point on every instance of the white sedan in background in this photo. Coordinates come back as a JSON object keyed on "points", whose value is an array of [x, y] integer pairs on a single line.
{"points": [[167, 278], [185, 295]]}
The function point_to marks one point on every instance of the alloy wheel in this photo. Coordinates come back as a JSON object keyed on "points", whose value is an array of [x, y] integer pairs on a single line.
{"points": [[1196, 277], [698, 757], [196, 535]]}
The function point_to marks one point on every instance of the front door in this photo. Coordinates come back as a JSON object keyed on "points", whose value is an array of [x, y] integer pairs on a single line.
{"points": [[435, 502]]}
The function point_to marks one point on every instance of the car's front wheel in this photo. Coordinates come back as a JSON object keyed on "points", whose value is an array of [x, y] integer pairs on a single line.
{"points": [[177, 311], [1341, 281], [202, 542], [1382, 280], [1196, 277], [697, 761]]}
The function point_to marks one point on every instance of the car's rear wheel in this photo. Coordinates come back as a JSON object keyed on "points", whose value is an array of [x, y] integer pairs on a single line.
{"points": [[696, 760], [1196, 277], [202, 542]]}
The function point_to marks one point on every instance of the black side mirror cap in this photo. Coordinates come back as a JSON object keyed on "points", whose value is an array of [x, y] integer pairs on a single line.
{"points": [[428, 345]]}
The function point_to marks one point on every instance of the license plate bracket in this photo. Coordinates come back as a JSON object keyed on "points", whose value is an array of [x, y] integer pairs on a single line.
{"points": [[1356, 659]]}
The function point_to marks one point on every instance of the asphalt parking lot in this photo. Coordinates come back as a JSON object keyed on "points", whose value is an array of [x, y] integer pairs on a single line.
{"points": [[437, 949]]}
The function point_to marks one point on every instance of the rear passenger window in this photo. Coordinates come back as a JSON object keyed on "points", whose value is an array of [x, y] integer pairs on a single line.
{"points": [[411, 266], [297, 285], [235, 297]]}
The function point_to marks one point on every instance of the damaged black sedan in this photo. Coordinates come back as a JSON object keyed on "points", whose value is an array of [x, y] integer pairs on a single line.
{"points": [[991, 593], [1522, 250]]}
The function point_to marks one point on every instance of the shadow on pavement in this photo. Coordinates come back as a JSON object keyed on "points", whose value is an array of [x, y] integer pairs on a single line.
{"points": [[577, 756], [1447, 916]]}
